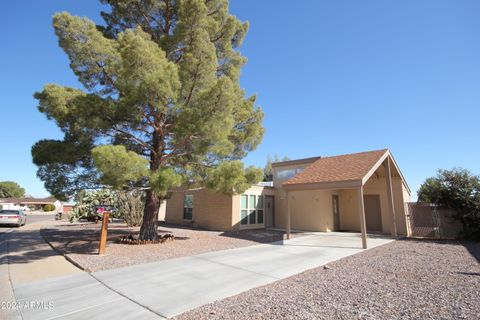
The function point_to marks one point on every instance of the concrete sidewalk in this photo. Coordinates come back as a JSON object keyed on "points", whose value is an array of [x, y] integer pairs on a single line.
{"points": [[6, 291], [35, 279], [25, 257], [30, 258], [170, 287]]}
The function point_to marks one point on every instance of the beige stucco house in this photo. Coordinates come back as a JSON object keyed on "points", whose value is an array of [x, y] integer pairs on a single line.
{"points": [[360, 192], [204, 208]]}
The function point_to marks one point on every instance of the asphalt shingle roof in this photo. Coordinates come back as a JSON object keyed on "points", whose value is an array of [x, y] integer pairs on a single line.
{"points": [[349, 167]]}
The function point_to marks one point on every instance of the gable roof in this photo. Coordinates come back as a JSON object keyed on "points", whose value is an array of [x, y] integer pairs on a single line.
{"points": [[344, 168]]}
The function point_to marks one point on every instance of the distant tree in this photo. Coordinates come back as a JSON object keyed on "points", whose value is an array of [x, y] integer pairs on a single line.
{"points": [[163, 106], [268, 170], [459, 190], [430, 191], [10, 189]]}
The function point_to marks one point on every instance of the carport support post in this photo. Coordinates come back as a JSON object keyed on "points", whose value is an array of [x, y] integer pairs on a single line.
{"points": [[391, 205], [363, 225], [288, 214]]}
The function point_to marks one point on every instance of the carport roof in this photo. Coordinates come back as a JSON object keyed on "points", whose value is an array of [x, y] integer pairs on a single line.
{"points": [[344, 168]]}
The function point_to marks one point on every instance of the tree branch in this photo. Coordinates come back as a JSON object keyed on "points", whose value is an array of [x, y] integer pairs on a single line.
{"points": [[105, 74], [133, 137]]}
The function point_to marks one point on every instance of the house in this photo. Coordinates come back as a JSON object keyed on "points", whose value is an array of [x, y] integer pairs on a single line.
{"points": [[359, 192], [207, 209], [30, 203], [67, 207]]}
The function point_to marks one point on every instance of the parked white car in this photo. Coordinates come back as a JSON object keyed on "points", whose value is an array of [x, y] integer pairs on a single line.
{"points": [[13, 217]]}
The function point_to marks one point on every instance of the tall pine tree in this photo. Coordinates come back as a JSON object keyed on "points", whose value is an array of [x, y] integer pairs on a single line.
{"points": [[161, 105]]}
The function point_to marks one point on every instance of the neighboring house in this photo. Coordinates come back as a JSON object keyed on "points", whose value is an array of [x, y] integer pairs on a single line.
{"points": [[355, 192], [9, 205], [67, 207], [30, 203]]}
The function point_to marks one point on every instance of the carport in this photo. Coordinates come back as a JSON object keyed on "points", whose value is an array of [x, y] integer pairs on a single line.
{"points": [[353, 182]]}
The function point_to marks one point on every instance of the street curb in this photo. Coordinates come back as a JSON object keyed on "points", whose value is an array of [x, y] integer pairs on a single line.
{"points": [[76, 264], [17, 311]]}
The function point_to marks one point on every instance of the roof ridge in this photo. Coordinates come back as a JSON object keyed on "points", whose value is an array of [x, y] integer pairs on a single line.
{"points": [[352, 153]]}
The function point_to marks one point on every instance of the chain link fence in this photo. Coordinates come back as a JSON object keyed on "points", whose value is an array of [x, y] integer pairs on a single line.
{"points": [[428, 220]]}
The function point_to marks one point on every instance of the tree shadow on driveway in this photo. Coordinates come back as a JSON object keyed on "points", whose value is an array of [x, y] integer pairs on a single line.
{"points": [[24, 246], [80, 241]]}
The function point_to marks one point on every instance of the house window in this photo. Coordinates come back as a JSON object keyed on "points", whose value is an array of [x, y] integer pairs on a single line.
{"points": [[188, 207], [251, 209], [244, 210], [288, 173]]}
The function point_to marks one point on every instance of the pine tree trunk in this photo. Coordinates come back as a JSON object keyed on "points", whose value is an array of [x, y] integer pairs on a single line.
{"points": [[148, 231]]}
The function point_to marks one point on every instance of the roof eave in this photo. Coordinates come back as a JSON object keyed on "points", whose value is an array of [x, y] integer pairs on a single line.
{"points": [[346, 184], [379, 163]]}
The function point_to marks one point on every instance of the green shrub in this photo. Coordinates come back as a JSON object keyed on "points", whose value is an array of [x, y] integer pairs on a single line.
{"points": [[459, 190], [48, 208]]}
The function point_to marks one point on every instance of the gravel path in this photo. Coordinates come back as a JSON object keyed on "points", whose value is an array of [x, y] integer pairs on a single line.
{"points": [[79, 242], [406, 279]]}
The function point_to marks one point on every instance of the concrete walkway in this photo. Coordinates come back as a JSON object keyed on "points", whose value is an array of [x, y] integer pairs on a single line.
{"points": [[30, 258], [168, 288], [6, 291], [34, 280]]}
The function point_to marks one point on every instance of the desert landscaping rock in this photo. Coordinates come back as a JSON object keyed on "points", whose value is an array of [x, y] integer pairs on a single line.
{"points": [[406, 279], [79, 243]]}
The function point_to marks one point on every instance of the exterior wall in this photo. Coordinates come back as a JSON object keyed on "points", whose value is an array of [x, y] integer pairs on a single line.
{"points": [[406, 199], [349, 210], [67, 208], [280, 200], [378, 186], [312, 210], [236, 207], [211, 210], [280, 208], [162, 210], [174, 207], [7, 206], [400, 199]]}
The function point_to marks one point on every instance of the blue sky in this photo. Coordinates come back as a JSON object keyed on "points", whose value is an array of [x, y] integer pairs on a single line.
{"points": [[332, 77]]}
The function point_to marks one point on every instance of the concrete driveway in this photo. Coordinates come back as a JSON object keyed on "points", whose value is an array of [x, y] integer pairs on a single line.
{"points": [[167, 288]]}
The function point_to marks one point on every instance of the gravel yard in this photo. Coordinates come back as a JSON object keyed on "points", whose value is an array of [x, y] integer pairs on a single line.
{"points": [[406, 279], [79, 243]]}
